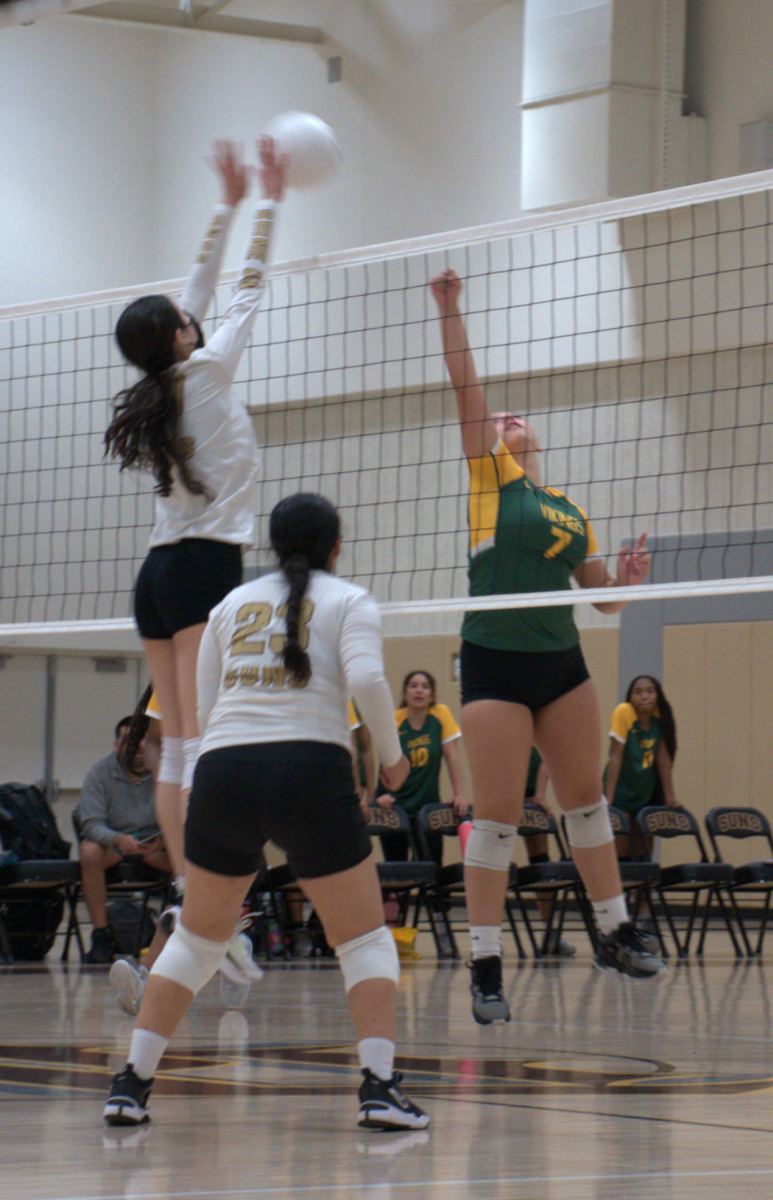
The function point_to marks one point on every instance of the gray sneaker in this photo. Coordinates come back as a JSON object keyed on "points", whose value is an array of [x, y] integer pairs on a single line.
{"points": [[627, 951], [489, 1006], [558, 947], [129, 983]]}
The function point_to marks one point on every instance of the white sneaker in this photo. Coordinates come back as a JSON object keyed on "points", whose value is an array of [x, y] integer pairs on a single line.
{"points": [[238, 965], [129, 984]]}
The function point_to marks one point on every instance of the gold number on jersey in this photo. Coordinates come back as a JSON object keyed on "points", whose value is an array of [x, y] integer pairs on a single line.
{"points": [[259, 616], [563, 538], [647, 759], [419, 756]]}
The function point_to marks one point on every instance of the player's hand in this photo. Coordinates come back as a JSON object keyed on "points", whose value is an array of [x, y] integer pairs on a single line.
{"points": [[273, 168], [446, 288], [460, 806], [226, 161], [385, 801], [633, 565], [395, 776]]}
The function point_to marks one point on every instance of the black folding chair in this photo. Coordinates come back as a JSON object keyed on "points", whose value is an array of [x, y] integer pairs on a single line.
{"points": [[32, 880], [558, 880], [412, 880], [752, 877], [640, 874], [690, 878], [130, 877]]}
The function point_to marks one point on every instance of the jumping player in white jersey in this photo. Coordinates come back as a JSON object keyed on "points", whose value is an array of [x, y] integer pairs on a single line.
{"points": [[183, 423], [279, 660]]}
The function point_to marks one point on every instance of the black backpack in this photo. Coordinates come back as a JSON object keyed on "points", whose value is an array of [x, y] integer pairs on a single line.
{"points": [[27, 824]]}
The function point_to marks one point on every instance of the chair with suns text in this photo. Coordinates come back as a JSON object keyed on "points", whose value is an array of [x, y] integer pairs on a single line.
{"points": [[559, 879], [750, 878], [411, 881], [691, 878], [640, 874]]}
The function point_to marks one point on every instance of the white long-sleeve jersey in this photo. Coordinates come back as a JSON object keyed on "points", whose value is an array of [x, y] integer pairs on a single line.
{"points": [[244, 694], [214, 423]]}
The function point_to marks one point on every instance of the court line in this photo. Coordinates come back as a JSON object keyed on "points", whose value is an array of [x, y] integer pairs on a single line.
{"points": [[467, 1183]]}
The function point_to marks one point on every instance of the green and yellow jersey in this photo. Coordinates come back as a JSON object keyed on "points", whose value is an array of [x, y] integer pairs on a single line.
{"points": [[638, 771], [424, 750], [535, 762], [522, 539]]}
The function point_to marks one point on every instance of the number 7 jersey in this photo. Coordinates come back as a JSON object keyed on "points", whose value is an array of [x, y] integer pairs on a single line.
{"points": [[523, 538]]}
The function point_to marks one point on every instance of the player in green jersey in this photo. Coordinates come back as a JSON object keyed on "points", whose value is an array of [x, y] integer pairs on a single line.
{"points": [[524, 679], [642, 745]]}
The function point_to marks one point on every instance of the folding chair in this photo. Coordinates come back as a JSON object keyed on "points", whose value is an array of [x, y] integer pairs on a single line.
{"points": [[407, 880], [640, 874], [752, 877], [690, 878], [33, 879], [129, 877], [559, 879]]}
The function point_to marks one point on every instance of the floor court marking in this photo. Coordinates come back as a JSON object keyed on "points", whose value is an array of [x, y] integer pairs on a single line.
{"points": [[310, 1189]]}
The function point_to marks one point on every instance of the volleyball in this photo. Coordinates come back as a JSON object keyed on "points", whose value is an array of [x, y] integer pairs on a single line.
{"points": [[312, 148]]}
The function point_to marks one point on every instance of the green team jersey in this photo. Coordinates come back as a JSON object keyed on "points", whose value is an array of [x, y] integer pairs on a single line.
{"points": [[424, 750], [522, 539], [638, 772]]}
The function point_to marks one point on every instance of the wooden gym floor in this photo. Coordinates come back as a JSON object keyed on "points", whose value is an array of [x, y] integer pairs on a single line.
{"points": [[601, 1087]]}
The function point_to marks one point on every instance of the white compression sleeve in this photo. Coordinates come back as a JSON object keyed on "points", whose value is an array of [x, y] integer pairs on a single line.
{"points": [[362, 655]]}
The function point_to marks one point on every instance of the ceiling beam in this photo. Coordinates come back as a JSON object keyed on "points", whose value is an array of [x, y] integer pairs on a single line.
{"points": [[202, 21]]}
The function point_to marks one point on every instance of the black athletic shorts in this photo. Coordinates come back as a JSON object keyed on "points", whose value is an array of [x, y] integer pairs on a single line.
{"points": [[179, 585], [534, 678], [299, 795]]}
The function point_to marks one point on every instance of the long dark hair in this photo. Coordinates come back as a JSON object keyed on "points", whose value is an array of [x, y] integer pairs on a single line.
{"points": [[143, 432], [138, 727], [303, 529], [667, 722], [427, 676]]}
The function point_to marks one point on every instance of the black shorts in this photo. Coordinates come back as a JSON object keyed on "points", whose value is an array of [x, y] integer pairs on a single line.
{"points": [[299, 795], [534, 678], [179, 585]]}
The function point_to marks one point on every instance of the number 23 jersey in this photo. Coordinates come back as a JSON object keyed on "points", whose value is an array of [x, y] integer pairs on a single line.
{"points": [[523, 538], [246, 696]]}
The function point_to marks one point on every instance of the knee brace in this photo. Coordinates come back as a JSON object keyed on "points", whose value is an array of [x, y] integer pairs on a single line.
{"points": [[190, 758], [188, 959], [371, 956], [589, 826], [490, 845], [170, 768]]}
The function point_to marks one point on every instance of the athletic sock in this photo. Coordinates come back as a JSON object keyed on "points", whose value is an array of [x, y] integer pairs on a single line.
{"points": [[485, 941], [378, 1056], [146, 1051], [610, 914]]}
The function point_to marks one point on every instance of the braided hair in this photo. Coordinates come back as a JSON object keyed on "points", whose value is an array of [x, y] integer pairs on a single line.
{"points": [[667, 722], [138, 728], [144, 429], [304, 529]]}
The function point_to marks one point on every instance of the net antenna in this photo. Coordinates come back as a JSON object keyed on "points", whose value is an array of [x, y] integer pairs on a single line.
{"points": [[634, 334]]}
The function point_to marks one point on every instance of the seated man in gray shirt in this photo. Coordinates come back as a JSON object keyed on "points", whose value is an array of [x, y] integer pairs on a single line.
{"points": [[118, 820]]}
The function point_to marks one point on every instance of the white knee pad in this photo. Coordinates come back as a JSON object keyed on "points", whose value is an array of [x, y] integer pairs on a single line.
{"points": [[190, 756], [372, 956], [490, 845], [188, 959], [170, 768], [589, 826]]}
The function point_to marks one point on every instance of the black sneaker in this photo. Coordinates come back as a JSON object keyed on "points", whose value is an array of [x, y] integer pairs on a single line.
{"points": [[627, 951], [127, 1103], [383, 1105], [103, 948], [489, 1006]]}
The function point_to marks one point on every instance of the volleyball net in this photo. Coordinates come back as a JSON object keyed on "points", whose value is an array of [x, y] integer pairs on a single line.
{"points": [[635, 335]]}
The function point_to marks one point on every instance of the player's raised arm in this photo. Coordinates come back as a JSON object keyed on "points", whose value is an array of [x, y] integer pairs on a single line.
{"points": [[479, 433]]}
